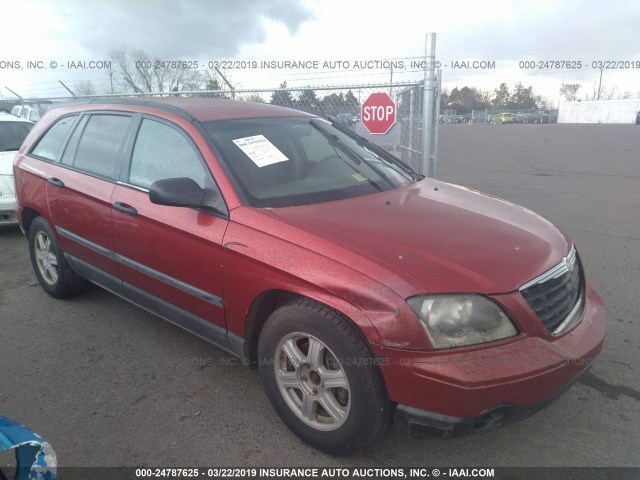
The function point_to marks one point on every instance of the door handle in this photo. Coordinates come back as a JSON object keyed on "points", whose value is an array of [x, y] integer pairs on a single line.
{"points": [[56, 182], [121, 207]]}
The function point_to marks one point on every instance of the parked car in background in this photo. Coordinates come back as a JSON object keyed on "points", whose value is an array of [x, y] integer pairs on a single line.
{"points": [[450, 118], [502, 118], [344, 119], [481, 117], [638, 119], [361, 290], [520, 118], [533, 117], [29, 112], [544, 117], [13, 131], [541, 117]]}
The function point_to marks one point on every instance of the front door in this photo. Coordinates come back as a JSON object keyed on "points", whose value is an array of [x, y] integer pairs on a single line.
{"points": [[170, 258]]}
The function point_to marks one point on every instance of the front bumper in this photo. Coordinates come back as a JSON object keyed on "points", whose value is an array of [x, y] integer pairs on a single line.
{"points": [[447, 392], [422, 424]]}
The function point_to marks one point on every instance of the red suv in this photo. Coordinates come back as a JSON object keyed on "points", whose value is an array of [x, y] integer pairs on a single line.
{"points": [[361, 290]]}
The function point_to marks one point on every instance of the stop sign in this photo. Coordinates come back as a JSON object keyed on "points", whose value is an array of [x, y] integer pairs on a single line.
{"points": [[378, 113]]}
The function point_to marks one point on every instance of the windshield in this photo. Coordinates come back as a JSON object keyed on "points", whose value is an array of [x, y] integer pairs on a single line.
{"points": [[281, 162], [12, 134]]}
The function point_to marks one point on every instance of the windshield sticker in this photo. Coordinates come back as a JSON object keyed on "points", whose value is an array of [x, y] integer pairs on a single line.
{"points": [[360, 177], [260, 150]]}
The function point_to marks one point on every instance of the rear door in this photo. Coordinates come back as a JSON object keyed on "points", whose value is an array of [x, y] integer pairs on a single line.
{"points": [[79, 188], [170, 258]]}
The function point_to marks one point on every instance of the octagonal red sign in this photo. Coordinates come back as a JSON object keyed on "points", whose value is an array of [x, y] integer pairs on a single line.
{"points": [[378, 113]]}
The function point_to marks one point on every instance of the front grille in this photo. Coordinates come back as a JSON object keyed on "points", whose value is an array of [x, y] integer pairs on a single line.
{"points": [[555, 294]]}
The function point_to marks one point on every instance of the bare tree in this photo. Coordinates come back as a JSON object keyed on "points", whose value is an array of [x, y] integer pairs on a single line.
{"points": [[84, 87], [216, 85], [141, 74], [609, 93], [601, 91], [570, 91], [124, 69]]}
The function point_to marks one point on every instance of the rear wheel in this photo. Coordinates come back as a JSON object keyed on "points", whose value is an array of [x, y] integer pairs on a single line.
{"points": [[321, 378], [53, 272]]}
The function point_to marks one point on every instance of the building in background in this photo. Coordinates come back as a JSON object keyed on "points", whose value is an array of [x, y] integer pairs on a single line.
{"points": [[599, 111]]}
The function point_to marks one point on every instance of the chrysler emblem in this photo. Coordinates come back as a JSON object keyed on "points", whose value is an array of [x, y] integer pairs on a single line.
{"points": [[568, 263]]}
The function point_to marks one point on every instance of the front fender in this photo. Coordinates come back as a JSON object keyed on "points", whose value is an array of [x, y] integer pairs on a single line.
{"points": [[255, 262]]}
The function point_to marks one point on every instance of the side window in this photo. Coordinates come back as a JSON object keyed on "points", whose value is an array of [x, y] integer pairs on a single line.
{"points": [[72, 144], [100, 148], [162, 152], [51, 144]]}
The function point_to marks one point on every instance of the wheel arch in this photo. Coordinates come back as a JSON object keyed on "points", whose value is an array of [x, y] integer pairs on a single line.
{"points": [[269, 301], [28, 216]]}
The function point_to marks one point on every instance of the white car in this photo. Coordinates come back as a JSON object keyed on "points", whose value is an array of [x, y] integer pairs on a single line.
{"points": [[13, 131], [29, 112]]}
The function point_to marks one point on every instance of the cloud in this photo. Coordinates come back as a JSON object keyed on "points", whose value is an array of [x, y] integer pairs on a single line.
{"points": [[586, 31], [176, 29]]}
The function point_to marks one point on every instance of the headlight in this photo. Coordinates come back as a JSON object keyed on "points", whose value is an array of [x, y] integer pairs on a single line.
{"points": [[461, 320]]}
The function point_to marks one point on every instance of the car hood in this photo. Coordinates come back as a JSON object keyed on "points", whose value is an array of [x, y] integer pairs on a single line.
{"points": [[435, 237]]}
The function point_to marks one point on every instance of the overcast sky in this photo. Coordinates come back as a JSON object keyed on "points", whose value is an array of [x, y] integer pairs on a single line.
{"points": [[499, 31]]}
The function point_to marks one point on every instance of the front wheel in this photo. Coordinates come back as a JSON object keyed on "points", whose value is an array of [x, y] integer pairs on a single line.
{"points": [[53, 272], [321, 378]]}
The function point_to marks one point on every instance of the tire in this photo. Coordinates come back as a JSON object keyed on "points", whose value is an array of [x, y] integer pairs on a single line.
{"points": [[305, 345], [53, 272]]}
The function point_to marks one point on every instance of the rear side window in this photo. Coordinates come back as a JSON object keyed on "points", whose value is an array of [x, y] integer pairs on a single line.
{"points": [[51, 144], [100, 148], [163, 152]]}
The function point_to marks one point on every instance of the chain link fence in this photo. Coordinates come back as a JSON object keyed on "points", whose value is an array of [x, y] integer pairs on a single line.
{"points": [[341, 104], [503, 116]]}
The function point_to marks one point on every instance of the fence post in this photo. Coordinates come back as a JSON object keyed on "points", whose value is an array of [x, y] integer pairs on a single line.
{"points": [[427, 123], [436, 119]]}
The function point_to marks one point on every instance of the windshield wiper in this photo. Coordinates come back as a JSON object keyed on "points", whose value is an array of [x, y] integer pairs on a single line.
{"points": [[335, 141], [381, 152], [371, 182]]}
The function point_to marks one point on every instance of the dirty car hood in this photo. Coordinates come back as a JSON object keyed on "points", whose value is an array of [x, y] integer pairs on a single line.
{"points": [[437, 236]]}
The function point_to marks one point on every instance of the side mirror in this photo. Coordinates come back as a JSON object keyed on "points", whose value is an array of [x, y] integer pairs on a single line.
{"points": [[177, 192]]}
